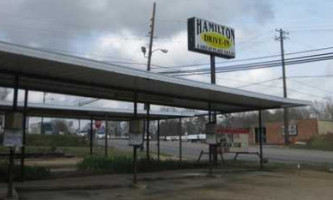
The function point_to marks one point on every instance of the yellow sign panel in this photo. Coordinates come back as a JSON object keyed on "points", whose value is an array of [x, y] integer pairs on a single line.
{"points": [[216, 40]]}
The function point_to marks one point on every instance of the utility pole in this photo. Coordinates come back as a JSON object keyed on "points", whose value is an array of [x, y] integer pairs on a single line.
{"points": [[150, 52], [151, 35], [282, 36]]}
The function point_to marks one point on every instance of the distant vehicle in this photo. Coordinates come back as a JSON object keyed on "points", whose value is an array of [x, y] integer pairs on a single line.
{"points": [[82, 133], [48, 129], [101, 135]]}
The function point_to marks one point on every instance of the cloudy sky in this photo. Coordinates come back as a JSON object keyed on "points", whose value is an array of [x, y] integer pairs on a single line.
{"points": [[114, 31]]}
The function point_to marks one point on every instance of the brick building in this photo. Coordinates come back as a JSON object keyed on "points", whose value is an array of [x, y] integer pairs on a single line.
{"points": [[300, 130]]}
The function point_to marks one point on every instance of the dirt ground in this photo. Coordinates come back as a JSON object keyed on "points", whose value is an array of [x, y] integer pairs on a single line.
{"points": [[295, 185]]}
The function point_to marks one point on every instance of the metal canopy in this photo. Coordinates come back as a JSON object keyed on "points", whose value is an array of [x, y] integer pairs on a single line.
{"points": [[59, 73], [66, 111]]}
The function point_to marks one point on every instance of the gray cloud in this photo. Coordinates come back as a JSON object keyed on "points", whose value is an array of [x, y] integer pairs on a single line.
{"points": [[49, 22]]}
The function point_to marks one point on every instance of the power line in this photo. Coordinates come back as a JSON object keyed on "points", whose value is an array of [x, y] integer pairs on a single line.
{"points": [[266, 64], [249, 59], [313, 30], [134, 62], [314, 76], [256, 65], [260, 83], [275, 86], [313, 87]]}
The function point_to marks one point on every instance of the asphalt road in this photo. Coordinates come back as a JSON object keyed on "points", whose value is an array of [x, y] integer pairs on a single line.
{"points": [[191, 151]]}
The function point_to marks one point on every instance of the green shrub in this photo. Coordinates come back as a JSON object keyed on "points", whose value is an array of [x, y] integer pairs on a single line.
{"points": [[36, 173], [56, 140], [321, 142], [31, 173], [110, 164]]}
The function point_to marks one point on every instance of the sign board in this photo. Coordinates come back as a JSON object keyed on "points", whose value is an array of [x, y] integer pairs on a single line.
{"points": [[211, 139], [13, 135], [135, 139], [211, 130], [292, 130], [136, 132], [210, 38], [13, 138], [13, 121]]}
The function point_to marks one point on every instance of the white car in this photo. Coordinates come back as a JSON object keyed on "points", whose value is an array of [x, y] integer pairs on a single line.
{"points": [[101, 135], [82, 133]]}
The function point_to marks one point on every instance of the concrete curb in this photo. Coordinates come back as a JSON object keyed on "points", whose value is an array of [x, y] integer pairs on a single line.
{"points": [[69, 187]]}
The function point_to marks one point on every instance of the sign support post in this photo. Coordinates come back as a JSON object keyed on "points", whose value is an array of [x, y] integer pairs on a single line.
{"points": [[215, 40], [134, 164], [213, 81], [135, 137], [11, 148]]}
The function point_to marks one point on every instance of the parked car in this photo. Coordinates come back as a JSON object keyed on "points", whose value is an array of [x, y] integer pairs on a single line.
{"points": [[82, 133], [101, 135]]}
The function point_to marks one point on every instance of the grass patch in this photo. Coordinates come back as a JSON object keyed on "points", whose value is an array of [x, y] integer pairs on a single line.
{"points": [[124, 164], [74, 151], [56, 140], [31, 173]]}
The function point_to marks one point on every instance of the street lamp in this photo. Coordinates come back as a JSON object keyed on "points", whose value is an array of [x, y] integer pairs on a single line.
{"points": [[144, 51], [147, 105]]}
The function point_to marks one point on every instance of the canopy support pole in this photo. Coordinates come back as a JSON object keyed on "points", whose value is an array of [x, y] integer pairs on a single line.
{"points": [[106, 137], [158, 140], [180, 140], [148, 132], [261, 140], [135, 172], [26, 94], [91, 136]]}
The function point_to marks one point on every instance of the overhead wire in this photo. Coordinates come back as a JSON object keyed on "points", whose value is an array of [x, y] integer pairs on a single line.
{"points": [[313, 87], [275, 86], [249, 59], [311, 76], [256, 65]]}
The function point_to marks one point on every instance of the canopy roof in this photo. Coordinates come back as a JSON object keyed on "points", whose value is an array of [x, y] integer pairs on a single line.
{"points": [[54, 72], [84, 112]]}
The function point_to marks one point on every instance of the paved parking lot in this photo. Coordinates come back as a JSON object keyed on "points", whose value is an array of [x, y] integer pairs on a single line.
{"points": [[300, 185], [273, 153]]}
